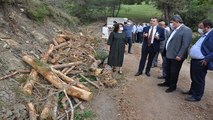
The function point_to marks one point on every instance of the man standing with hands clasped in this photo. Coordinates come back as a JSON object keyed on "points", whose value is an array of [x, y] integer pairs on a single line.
{"points": [[176, 51], [201, 55], [152, 35]]}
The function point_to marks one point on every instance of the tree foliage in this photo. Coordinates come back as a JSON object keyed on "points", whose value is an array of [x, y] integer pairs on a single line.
{"points": [[93, 9], [196, 11], [192, 11], [132, 2]]}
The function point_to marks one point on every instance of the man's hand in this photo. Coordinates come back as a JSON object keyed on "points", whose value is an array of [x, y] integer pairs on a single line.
{"points": [[145, 34], [203, 62], [108, 47], [157, 37], [178, 58]]}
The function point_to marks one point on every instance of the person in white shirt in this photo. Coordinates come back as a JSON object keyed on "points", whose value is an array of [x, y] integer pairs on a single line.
{"points": [[134, 33], [105, 32], [139, 34]]}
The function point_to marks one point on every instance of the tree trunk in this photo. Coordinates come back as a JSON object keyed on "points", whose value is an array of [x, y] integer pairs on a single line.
{"points": [[119, 7], [46, 71], [166, 13]]}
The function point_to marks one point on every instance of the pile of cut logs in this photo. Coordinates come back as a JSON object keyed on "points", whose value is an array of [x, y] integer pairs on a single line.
{"points": [[70, 56]]}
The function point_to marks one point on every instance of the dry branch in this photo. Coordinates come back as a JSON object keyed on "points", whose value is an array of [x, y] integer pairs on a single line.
{"points": [[71, 106], [64, 70], [94, 84], [78, 101], [55, 80], [69, 70], [69, 80], [14, 73], [67, 65]]}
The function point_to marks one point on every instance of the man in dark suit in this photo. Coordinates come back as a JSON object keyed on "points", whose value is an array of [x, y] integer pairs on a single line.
{"points": [[201, 55], [176, 50], [152, 35]]}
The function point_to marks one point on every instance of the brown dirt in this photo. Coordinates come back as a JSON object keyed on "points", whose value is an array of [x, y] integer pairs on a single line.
{"points": [[139, 98]]}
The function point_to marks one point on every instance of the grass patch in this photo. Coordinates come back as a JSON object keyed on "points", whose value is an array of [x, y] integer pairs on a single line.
{"points": [[38, 11], [86, 115], [139, 12]]}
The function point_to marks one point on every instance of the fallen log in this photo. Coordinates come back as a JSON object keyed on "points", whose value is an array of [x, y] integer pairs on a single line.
{"points": [[31, 80], [54, 59], [46, 71], [66, 37], [94, 84], [69, 80], [69, 70], [55, 42], [64, 70], [48, 107], [60, 40], [46, 55], [67, 65], [62, 45], [32, 111]]}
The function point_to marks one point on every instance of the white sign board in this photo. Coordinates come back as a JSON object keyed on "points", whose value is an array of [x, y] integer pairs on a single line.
{"points": [[118, 20]]}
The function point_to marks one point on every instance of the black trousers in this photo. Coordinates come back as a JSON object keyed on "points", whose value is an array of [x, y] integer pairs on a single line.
{"points": [[129, 41], [139, 37], [198, 73], [172, 72], [145, 52]]}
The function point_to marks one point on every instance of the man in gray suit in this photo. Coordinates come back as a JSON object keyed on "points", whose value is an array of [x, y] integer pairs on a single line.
{"points": [[176, 51]]}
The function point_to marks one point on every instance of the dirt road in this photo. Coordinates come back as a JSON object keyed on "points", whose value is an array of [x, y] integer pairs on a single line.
{"points": [[139, 98]]}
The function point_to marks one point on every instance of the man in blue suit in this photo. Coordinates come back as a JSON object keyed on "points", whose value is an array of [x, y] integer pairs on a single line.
{"points": [[201, 55], [152, 35]]}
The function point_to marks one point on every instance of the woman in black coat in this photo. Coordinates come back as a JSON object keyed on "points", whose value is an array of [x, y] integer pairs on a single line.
{"points": [[116, 42]]}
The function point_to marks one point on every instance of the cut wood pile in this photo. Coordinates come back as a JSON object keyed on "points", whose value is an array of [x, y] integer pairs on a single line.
{"points": [[62, 78]]}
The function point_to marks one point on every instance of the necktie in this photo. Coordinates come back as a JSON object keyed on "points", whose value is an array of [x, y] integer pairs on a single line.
{"points": [[150, 38]]}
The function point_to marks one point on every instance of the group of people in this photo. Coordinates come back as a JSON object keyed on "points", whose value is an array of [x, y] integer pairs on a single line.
{"points": [[173, 47]]}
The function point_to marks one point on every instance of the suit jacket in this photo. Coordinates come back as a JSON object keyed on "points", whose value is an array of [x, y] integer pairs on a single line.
{"points": [[207, 49], [156, 43], [166, 35], [179, 44]]}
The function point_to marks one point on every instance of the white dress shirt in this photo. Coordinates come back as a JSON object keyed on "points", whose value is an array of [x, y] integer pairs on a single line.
{"points": [[171, 36], [134, 29], [195, 51], [153, 33], [140, 28]]}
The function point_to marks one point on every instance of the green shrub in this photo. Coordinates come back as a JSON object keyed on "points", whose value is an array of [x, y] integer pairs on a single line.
{"points": [[38, 11], [12, 1], [83, 116], [101, 55]]}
